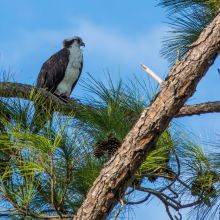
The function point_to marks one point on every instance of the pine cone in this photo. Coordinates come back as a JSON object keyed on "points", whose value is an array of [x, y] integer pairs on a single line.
{"points": [[100, 148], [108, 146], [112, 145]]}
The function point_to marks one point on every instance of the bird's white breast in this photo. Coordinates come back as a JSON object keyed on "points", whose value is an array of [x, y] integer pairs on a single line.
{"points": [[72, 71]]}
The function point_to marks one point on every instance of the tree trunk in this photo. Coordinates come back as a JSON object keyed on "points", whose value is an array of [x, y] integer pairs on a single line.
{"points": [[177, 88]]}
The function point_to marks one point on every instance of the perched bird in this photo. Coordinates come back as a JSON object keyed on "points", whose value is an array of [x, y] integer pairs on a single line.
{"points": [[60, 73]]}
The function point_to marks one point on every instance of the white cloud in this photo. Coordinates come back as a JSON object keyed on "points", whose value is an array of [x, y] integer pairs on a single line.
{"points": [[117, 46], [104, 44], [106, 47]]}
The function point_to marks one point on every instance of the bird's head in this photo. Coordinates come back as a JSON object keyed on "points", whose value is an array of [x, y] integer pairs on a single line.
{"points": [[75, 40]]}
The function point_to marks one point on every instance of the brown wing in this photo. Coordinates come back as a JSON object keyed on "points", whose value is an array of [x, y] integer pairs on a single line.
{"points": [[53, 70]]}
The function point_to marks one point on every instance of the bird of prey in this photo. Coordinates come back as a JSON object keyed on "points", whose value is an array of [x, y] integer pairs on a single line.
{"points": [[60, 73]]}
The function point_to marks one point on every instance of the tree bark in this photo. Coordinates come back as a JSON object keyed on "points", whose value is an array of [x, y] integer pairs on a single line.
{"points": [[198, 109], [180, 84], [23, 91]]}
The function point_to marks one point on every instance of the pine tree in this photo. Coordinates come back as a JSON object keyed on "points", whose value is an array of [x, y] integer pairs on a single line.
{"points": [[47, 173], [187, 19]]}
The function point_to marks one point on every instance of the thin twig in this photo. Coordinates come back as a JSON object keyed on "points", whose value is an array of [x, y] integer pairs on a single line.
{"points": [[139, 202]]}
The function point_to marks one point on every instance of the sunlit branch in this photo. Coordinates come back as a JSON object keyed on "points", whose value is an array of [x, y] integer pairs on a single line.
{"points": [[151, 73], [23, 91]]}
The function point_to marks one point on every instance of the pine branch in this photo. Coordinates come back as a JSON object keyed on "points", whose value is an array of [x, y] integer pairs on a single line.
{"points": [[23, 91], [187, 19], [198, 109], [181, 84]]}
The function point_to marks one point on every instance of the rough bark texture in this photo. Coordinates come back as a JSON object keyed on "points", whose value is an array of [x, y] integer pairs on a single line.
{"points": [[198, 109], [23, 91], [177, 88]]}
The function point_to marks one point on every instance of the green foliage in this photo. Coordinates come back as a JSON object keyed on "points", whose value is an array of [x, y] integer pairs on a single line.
{"points": [[187, 19], [49, 172], [47, 165], [178, 5], [201, 174], [113, 109], [203, 184], [42, 172], [156, 163], [86, 173]]}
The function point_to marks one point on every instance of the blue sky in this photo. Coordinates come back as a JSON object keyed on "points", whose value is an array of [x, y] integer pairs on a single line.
{"points": [[119, 35]]}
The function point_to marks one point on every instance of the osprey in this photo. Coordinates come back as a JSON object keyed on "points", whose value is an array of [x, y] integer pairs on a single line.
{"points": [[60, 73]]}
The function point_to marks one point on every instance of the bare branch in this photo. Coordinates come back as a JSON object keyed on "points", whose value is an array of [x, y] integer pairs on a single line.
{"points": [[163, 197], [151, 73], [198, 109], [138, 202]]}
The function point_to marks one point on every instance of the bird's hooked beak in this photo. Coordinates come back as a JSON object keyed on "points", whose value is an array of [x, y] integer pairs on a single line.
{"points": [[82, 44]]}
